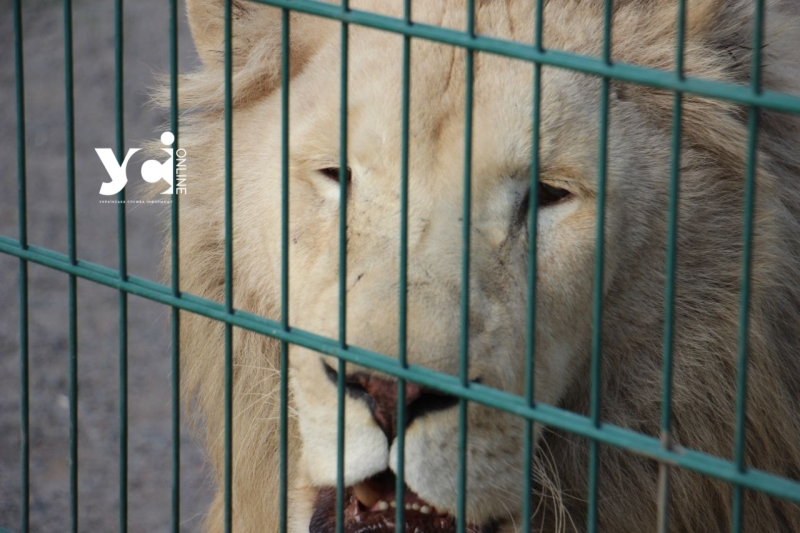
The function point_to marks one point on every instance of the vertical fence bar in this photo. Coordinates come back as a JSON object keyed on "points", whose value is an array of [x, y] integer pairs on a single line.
{"points": [[24, 393], [461, 504], [533, 199], [340, 428], [228, 268], [123, 272], [22, 208], [175, 275], [597, 315], [72, 252], [283, 523], [671, 267], [402, 354], [343, 177], [740, 442]]}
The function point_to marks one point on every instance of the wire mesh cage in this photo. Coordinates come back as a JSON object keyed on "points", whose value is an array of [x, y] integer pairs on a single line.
{"points": [[669, 455]]}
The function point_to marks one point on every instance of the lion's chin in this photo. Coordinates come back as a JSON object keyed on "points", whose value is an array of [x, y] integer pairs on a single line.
{"points": [[370, 507]]}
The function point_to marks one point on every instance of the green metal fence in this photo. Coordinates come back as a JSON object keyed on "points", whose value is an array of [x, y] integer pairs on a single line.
{"points": [[591, 427]]}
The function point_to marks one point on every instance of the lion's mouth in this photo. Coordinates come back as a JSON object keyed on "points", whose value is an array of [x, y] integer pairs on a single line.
{"points": [[370, 507]]}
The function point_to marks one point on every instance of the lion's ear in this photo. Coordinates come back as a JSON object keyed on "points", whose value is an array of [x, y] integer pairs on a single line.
{"points": [[256, 42], [252, 23]]}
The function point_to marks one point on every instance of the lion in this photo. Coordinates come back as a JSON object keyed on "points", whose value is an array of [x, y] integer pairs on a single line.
{"points": [[713, 164]]}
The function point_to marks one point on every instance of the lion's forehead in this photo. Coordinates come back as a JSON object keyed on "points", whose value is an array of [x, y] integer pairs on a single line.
{"points": [[501, 111]]}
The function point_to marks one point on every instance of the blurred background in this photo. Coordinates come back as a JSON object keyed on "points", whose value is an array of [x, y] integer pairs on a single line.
{"points": [[146, 36]]}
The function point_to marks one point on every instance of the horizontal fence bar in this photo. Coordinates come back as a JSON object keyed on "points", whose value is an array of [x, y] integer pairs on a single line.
{"points": [[652, 77], [547, 415]]}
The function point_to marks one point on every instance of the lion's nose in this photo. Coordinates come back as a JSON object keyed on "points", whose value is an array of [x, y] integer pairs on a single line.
{"points": [[381, 395]]}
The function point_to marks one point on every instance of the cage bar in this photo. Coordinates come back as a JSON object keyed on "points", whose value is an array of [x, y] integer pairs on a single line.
{"points": [[530, 326], [461, 504], [175, 327], [22, 208], [652, 77], [740, 442], [671, 267], [69, 106], [122, 258], [402, 355], [597, 312], [283, 522], [342, 366], [557, 418], [228, 400]]}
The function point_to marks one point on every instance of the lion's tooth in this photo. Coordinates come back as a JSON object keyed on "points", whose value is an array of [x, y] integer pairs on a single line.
{"points": [[367, 496], [415, 506], [392, 504], [383, 506], [425, 509], [408, 507]]}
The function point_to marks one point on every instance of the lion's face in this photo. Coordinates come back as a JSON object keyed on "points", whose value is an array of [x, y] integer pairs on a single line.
{"points": [[637, 171], [499, 249]]}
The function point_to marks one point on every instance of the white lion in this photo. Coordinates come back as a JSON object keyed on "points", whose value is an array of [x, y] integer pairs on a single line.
{"points": [[713, 161]]}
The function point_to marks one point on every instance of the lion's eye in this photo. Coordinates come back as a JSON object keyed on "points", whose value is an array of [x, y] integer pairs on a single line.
{"points": [[549, 195], [335, 174]]}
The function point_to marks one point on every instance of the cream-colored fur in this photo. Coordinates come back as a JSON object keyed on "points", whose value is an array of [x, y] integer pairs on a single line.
{"points": [[719, 36]]}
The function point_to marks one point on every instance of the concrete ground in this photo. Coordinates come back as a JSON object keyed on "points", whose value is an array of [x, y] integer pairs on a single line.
{"points": [[150, 444]]}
